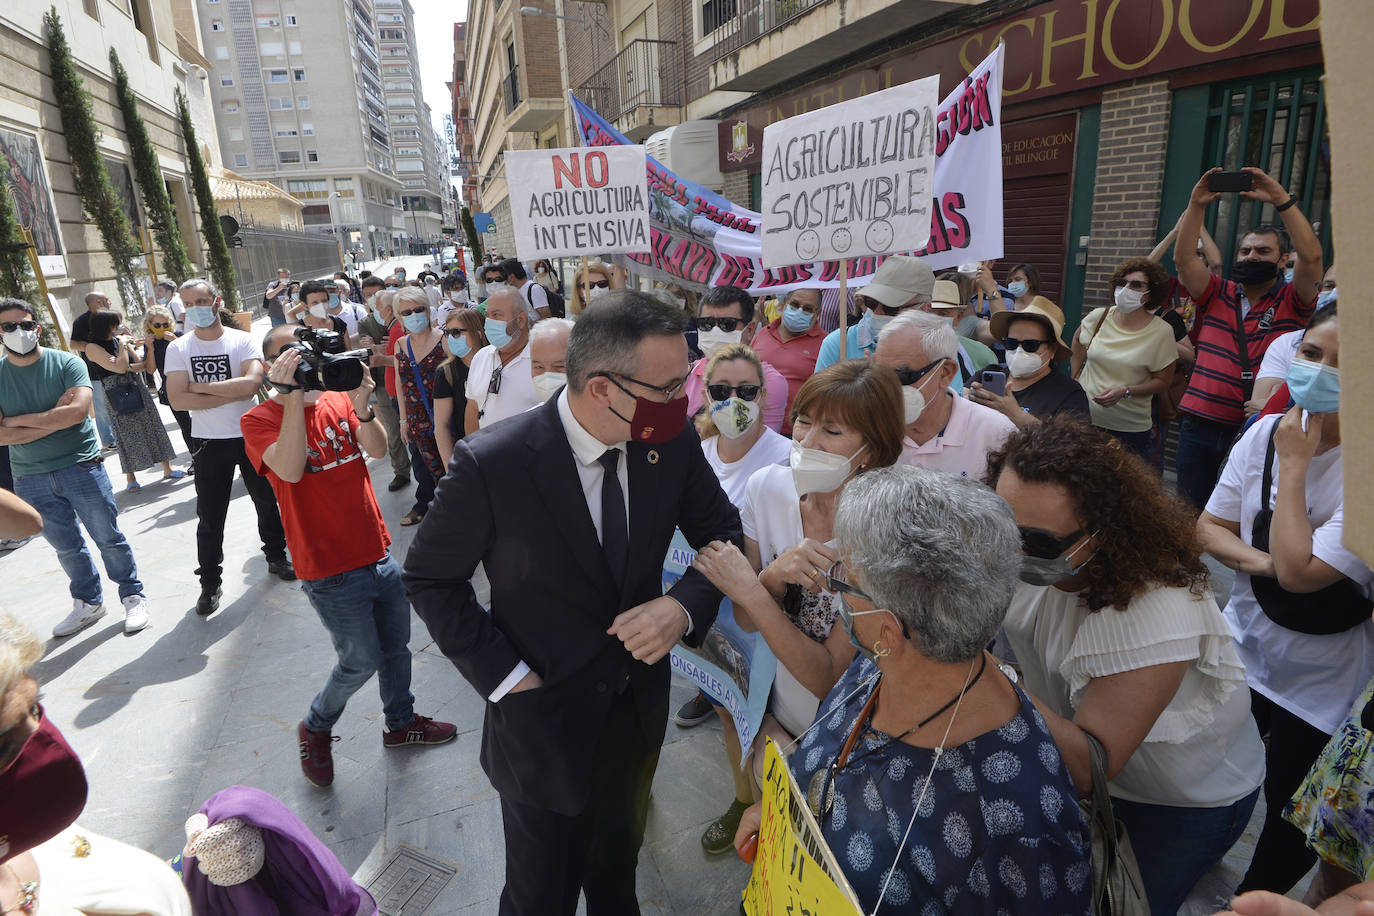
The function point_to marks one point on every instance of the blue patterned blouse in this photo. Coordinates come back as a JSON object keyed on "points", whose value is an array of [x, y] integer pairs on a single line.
{"points": [[999, 830]]}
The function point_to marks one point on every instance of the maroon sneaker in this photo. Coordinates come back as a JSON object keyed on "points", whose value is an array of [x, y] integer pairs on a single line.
{"points": [[421, 730], [317, 758]]}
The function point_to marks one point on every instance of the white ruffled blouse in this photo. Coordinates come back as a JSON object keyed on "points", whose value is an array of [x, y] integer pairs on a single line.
{"points": [[1204, 750]]}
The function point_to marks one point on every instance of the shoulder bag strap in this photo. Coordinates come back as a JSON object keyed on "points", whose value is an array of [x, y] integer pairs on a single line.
{"points": [[1101, 313], [420, 383], [1267, 481], [1247, 375]]}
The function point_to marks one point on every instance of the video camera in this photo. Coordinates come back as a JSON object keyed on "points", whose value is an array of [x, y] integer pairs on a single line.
{"points": [[325, 365]]}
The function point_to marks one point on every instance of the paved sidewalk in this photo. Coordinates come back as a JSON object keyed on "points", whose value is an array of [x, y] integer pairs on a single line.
{"points": [[167, 717]]}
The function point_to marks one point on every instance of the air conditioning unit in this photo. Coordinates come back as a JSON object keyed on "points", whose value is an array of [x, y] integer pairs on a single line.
{"points": [[691, 150]]}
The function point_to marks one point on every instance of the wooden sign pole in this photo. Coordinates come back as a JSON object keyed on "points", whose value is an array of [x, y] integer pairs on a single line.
{"points": [[844, 308]]}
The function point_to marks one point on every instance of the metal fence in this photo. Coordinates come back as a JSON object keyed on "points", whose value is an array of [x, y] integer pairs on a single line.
{"points": [[738, 22], [645, 72], [511, 88], [306, 254]]}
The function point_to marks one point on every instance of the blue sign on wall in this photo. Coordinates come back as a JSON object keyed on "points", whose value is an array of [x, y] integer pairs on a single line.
{"points": [[483, 222]]}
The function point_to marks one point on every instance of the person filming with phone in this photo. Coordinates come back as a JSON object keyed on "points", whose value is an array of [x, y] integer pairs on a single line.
{"points": [[1032, 391], [1237, 319]]}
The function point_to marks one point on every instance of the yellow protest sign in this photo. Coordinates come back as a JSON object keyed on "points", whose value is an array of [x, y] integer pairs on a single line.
{"points": [[795, 873]]}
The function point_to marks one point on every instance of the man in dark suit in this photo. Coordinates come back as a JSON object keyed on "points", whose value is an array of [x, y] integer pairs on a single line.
{"points": [[570, 508]]}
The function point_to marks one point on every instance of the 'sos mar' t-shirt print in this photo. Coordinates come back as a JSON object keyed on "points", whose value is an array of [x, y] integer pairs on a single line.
{"points": [[217, 360]]}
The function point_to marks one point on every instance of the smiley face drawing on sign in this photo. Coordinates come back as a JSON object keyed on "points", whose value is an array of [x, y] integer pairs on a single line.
{"points": [[878, 237], [841, 240], [809, 244]]}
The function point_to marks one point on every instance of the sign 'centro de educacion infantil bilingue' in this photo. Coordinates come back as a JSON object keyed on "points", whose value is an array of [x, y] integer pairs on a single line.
{"points": [[852, 179], [578, 201]]}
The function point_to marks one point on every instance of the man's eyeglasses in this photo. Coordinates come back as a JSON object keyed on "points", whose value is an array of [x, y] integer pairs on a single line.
{"points": [[725, 324], [11, 326], [912, 376], [418, 310], [1029, 345], [806, 307], [1139, 286], [874, 305], [720, 392], [668, 391]]}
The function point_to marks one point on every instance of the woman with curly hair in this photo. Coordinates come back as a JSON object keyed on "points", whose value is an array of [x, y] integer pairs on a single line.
{"points": [[1118, 634], [1123, 355]]}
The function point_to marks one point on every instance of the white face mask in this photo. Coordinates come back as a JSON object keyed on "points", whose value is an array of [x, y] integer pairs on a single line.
{"points": [[1021, 364], [1128, 300], [545, 385], [914, 400], [21, 341], [458, 295], [712, 340], [876, 323], [815, 471], [320, 309], [596, 292], [734, 416]]}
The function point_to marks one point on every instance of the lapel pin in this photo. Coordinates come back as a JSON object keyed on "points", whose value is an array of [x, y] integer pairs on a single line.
{"points": [[653, 456]]}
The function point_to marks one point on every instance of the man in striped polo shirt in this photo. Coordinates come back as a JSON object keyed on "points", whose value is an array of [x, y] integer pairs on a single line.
{"points": [[1254, 306]]}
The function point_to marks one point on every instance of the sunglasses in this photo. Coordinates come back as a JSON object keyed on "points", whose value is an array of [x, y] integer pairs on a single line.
{"points": [[912, 376], [1030, 346], [1137, 285], [494, 386], [725, 324], [160, 327], [599, 284], [1039, 543], [721, 392], [11, 326], [455, 332], [418, 310]]}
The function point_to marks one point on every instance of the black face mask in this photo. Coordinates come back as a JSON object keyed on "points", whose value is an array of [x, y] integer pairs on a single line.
{"points": [[1249, 273]]}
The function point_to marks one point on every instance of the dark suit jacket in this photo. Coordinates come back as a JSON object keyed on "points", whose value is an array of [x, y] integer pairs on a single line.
{"points": [[512, 499]]}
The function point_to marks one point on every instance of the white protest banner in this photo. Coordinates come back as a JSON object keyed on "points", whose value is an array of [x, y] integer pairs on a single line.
{"points": [[850, 180], [698, 239], [578, 201]]}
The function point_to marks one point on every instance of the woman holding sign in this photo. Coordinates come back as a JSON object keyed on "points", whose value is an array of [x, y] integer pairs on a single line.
{"points": [[931, 775]]}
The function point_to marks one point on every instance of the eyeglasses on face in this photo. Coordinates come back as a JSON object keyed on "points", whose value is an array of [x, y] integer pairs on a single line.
{"points": [[1030, 345], [11, 326], [725, 324], [1045, 545], [720, 392], [1139, 286], [418, 310], [455, 332], [668, 391], [807, 307], [599, 284], [912, 376], [835, 582], [160, 327]]}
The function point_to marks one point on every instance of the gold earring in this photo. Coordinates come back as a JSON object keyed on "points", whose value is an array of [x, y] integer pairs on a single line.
{"points": [[879, 651]]}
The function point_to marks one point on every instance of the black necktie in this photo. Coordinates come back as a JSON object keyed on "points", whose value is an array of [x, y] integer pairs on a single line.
{"points": [[615, 538]]}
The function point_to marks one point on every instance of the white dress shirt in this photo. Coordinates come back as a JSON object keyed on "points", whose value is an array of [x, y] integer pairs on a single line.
{"points": [[517, 386], [587, 451]]}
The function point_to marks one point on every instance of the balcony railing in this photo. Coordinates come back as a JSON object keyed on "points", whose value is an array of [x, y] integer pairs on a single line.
{"points": [[645, 72], [739, 22], [511, 87]]}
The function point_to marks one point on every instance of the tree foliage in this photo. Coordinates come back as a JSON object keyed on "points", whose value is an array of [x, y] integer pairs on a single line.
{"points": [[221, 267], [98, 196], [161, 217], [474, 240], [15, 282]]}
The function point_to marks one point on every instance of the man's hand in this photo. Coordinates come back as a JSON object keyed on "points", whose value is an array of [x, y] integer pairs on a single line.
{"points": [[528, 682], [1201, 196], [1266, 190], [284, 368], [650, 630], [364, 391]]}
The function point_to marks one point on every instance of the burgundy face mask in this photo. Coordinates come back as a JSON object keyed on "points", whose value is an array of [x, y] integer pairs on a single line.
{"points": [[653, 422], [44, 792]]}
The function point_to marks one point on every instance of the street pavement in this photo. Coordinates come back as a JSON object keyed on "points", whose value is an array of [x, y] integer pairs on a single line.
{"points": [[167, 717]]}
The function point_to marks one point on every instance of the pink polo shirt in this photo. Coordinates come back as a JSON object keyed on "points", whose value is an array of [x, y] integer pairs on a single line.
{"points": [[962, 447], [795, 358], [774, 413]]}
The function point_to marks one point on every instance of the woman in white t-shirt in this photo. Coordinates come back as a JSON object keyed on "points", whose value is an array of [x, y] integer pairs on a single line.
{"points": [[1119, 636], [736, 444], [1124, 355], [1302, 684], [845, 419]]}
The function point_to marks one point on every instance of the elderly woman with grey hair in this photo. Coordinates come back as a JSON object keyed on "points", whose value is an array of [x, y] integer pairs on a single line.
{"points": [[932, 775]]}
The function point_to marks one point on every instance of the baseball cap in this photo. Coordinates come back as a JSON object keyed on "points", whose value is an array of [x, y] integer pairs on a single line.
{"points": [[900, 279]]}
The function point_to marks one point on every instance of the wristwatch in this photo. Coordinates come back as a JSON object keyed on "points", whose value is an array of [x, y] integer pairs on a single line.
{"points": [[1128, 392], [367, 419]]}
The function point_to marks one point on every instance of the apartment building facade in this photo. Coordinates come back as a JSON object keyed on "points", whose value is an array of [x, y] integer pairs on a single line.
{"points": [[462, 166]]}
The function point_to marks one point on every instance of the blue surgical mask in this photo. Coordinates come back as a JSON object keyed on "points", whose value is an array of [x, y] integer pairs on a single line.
{"points": [[416, 322], [1314, 387], [496, 333], [1326, 297], [795, 320], [377, 314], [333, 300], [163, 300], [202, 316], [458, 346], [1017, 289]]}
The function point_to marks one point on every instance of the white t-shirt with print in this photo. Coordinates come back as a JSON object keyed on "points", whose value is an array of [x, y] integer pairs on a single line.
{"points": [[1279, 356], [771, 448], [1316, 678], [215, 360], [771, 516]]}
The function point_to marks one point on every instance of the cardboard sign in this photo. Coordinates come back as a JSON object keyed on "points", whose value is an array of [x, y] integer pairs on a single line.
{"points": [[851, 180], [794, 870], [578, 201]]}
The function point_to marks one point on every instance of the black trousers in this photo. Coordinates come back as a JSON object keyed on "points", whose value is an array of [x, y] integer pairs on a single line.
{"points": [[1281, 853], [215, 461], [551, 857]]}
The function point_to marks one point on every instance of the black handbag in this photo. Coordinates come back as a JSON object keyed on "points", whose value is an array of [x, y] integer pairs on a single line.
{"points": [[1339, 607], [124, 395]]}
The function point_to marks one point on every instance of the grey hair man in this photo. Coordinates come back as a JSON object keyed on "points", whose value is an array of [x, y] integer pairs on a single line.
{"points": [[944, 431], [500, 383], [549, 356]]}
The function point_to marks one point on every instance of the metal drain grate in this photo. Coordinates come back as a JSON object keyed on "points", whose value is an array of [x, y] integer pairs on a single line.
{"points": [[409, 882]]}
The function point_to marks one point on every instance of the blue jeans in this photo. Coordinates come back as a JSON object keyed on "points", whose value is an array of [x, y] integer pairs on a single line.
{"points": [[102, 416], [368, 619], [82, 491], [1202, 448], [1136, 442], [1177, 846]]}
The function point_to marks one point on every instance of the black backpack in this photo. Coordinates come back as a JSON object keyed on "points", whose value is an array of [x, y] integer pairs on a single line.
{"points": [[557, 309]]}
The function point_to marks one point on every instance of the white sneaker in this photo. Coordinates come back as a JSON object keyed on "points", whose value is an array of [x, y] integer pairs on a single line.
{"points": [[82, 616], [135, 614]]}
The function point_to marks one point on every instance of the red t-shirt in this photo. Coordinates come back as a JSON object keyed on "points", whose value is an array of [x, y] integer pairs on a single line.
{"points": [[393, 334], [331, 517], [1216, 391]]}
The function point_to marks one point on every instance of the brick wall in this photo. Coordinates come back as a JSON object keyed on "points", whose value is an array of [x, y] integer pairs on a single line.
{"points": [[588, 47], [539, 53], [736, 187], [1129, 179]]}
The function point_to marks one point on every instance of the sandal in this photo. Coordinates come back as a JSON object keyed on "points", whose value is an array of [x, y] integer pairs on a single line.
{"points": [[133, 487], [411, 518], [175, 475]]}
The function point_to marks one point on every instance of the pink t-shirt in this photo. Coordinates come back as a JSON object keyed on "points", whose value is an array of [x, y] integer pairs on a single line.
{"points": [[774, 411], [962, 447]]}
